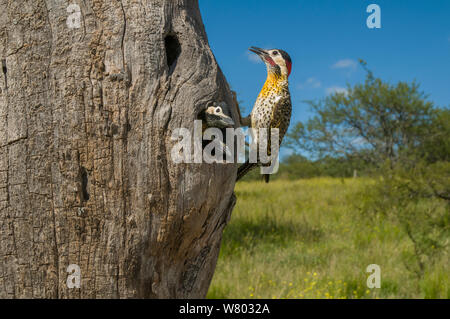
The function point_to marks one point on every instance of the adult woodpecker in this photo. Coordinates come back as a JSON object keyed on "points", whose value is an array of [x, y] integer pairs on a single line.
{"points": [[273, 106]]}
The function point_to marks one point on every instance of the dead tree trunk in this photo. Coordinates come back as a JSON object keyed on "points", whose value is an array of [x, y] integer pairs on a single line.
{"points": [[87, 107]]}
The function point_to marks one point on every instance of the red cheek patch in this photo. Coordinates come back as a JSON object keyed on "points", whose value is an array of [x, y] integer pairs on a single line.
{"points": [[289, 67], [271, 62]]}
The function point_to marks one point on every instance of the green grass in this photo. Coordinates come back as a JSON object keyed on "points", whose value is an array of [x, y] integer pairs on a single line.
{"points": [[307, 239]]}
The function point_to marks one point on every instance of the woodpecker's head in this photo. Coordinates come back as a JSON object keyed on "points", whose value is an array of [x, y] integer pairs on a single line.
{"points": [[277, 61], [215, 117]]}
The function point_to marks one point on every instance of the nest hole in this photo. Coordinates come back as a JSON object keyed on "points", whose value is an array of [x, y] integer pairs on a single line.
{"points": [[84, 184], [173, 50]]}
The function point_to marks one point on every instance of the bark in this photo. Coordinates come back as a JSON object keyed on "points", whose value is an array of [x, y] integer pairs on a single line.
{"points": [[86, 116]]}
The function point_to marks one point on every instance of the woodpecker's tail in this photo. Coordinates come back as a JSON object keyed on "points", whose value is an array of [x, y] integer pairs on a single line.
{"points": [[244, 169]]}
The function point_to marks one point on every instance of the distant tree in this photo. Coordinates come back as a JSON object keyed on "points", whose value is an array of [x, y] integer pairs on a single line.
{"points": [[436, 145], [374, 121]]}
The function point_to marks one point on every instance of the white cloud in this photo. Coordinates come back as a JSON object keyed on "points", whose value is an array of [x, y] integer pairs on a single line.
{"points": [[252, 57], [310, 83], [336, 89], [345, 64]]}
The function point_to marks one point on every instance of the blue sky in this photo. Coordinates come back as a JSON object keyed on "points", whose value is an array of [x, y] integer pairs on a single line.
{"points": [[325, 39]]}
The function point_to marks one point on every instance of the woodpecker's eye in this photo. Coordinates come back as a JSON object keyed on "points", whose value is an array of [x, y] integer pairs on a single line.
{"points": [[218, 109], [274, 52]]}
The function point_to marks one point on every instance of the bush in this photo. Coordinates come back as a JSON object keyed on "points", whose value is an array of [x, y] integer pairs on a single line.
{"points": [[417, 199]]}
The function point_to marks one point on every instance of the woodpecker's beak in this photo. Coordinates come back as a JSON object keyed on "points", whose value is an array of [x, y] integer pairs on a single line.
{"points": [[260, 52]]}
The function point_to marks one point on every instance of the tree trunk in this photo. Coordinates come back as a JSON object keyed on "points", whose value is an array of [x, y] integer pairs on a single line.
{"points": [[86, 178]]}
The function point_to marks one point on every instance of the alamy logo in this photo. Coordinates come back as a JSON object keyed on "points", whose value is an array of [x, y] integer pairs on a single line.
{"points": [[74, 279], [374, 280], [74, 19], [263, 149], [374, 20]]}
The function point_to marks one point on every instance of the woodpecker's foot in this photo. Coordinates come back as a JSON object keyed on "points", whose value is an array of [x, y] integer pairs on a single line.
{"points": [[245, 121]]}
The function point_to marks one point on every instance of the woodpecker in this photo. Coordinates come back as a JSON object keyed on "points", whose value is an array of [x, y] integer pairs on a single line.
{"points": [[214, 116], [273, 106]]}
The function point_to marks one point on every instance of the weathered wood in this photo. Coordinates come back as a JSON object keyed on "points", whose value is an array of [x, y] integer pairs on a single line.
{"points": [[86, 116]]}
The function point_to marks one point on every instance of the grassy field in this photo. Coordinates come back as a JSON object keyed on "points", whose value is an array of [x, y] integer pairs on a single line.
{"points": [[307, 239]]}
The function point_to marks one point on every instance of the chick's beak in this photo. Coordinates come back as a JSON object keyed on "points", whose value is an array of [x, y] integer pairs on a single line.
{"points": [[219, 120], [227, 121], [223, 121]]}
